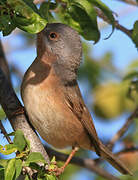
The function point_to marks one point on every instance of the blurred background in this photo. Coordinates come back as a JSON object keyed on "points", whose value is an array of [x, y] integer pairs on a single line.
{"points": [[103, 79]]}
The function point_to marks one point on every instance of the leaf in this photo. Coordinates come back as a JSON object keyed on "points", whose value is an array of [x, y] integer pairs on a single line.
{"points": [[26, 16], [8, 149], [35, 166], [18, 168], [3, 162], [10, 170], [1, 173], [44, 10], [51, 177], [84, 14], [6, 25], [2, 113], [34, 157], [135, 33], [107, 12], [27, 178], [19, 140], [131, 75]]}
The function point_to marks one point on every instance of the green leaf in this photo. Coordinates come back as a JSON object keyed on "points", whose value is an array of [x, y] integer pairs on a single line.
{"points": [[1, 173], [8, 149], [34, 157], [2, 113], [19, 140], [35, 166], [18, 168], [107, 12], [10, 170], [26, 16], [131, 75], [6, 25], [135, 33], [84, 14], [27, 178], [51, 177], [44, 10], [3, 162]]}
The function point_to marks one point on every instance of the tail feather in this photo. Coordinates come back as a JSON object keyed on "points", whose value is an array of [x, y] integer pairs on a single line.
{"points": [[113, 160]]}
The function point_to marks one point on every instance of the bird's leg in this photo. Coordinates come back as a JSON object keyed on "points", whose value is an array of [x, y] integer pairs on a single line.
{"points": [[61, 169], [74, 150]]}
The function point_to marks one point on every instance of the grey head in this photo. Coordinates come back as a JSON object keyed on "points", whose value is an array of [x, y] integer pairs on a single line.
{"points": [[64, 42]]}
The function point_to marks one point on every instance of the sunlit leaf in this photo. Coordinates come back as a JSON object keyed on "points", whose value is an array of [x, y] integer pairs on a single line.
{"points": [[2, 114], [35, 157], [10, 170], [19, 140], [18, 168], [8, 149], [3, 162], [26, 16]]}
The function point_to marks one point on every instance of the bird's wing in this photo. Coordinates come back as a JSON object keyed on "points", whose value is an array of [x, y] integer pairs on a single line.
{"points": [[76, 104]]}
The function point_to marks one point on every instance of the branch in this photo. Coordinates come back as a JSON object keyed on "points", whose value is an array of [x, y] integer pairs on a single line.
{"points": [[125, 127], [5, 133], [85, 163], [131, 149], [117, 25], [38, 1], [131, 2], [3, 63], [10, 105]]}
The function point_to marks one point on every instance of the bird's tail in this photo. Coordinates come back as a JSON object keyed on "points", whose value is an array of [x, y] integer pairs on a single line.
{"points": [[113, 160]]}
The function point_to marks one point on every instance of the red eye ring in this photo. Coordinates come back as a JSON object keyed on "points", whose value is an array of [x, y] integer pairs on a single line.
{"points": [[53, 36]]}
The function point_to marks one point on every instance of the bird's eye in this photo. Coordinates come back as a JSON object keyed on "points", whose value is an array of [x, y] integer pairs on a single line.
{"points": [[53, 36]]}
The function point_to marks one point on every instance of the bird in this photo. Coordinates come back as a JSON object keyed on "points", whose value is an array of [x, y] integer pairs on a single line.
{"points": [[52, 98]]}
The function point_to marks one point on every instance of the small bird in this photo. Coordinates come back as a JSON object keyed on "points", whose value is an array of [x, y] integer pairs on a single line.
{"points": [[52, 97]]}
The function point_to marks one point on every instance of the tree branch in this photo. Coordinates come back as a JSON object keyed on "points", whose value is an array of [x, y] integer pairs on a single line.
{"points": [[10, 105], [131, 2], [3, 63], [125, 127], [85, 163], [117, 25], [3, 130]]}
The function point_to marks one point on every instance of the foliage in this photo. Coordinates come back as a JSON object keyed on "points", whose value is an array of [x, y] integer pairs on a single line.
{"points": [[10, 169], [79, 14]]}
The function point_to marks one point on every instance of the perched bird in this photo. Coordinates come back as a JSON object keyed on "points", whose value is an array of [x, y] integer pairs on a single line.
{"points": [[52, 97]]}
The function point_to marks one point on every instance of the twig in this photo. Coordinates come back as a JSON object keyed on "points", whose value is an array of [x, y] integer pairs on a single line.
{"points": [[5, 133], [123, 29], [125, 127], [117, 25], [85, 163], [131, 2], [38, 1], [131, 149]]}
